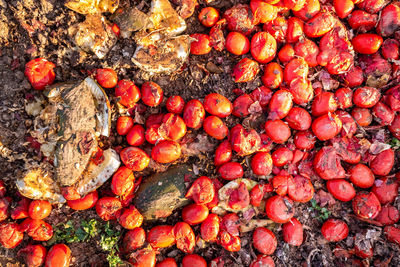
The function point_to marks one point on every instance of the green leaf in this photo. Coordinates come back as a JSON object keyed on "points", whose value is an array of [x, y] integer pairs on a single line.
{"points": [[113, 259], [395, 142]]}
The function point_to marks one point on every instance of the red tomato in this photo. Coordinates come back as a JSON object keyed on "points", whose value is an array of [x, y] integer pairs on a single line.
{"points": [[280, 104], [146, 257], [261, 163], [362, 116], [382, 164], [223, 153], [152, 134], [135, 136], [21, 210], [361, 20], [263, 47], [392, 234], [277, 28], [278, 131], [201, 45], [133, 239], [263, 12], [152, 94], [240, 18], [217, 105], [282, 183], [40, 73], [124, 124], [229, 242], [166, 151], [343, 8], [388, 215], [304, 140], [4, 208], [263, 261], [107, 78], [323, 103], [282, 156], [128, 92], [123, 181], [168, 262], [302, 189], [134, 158], [273, 76], [266, 143], [202, 190], [161, 236], [231, 171], [319, 25], [326, 126], [87, 202], [298, 119], [334, 230], [264, 241], [286, 53], [294, 30], [292, 232], [210, 228], [327, 164], [108, 208], [341, 189], [38, 230], [39, 209], [244, 142], [130, 218], [193, 114], [239, 198], [366, 97], [361, 176], [367, 43], [383, 114], [58, 255], [241, 105], [294, 5], [237, 43], [215, 127], [194, 213], [34, 255], [279, 209], [390, 49], [344, 97], [245, 70], [175, 104], [366, 205], [173, 127], [309, 10], [185, 238], [386, 190], [193, 260], [208, 16], [10, 235]]}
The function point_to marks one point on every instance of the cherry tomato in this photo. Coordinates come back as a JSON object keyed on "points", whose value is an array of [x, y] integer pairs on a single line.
{"points": [[201, 44], [326, 126], [152, 94], [245, 70], [185, 238], [58, 255], [107, 78], [209, 228], [134, 158], [34, 255], [388, 215], [135, 136], [237, 43], [175, 104], [10, 235], [39, 209], [124, 124], [302, 189], [40, 73], [382, 164], [202, 190], [279, 209], [38, 230], [173, 127], [208, 16], [133, 239], [327, 164], [215, 127], [298, 119], [273, 75], [261, 163], [161, 236], [168, 262], [366, 97], [263, 47], [87, 202], [280, 104], [194, 213], [193, 260], [367, 43], [231, 171], [341, 189], [217, 105], [263, 261], [145, 257], [361, 176], [193, 114], [385, 190], [264, 241], [166, 151], [223, 153], [304, 140], [292, 232], [334, 230], [366, 205], [241, 105], [130, 218], [128, 92], [278, 131], [21, 210], [108, 208]]}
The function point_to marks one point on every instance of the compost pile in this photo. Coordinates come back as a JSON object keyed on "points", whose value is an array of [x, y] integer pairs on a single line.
{"points": [[199, 133]]}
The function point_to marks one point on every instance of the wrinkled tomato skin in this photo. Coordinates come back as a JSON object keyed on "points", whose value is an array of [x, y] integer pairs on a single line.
{"points": [[263, 12], [304, 140], [389, 22], [124, 124], [323, 103], [308, 50], [237, 43], [241, 105], [319, 25], [87, 202], [193, 260], [341, 189], [263, 261], [263, 47], [296, 68], [34, 255], [107, 78], [229, 242], [38, 230], [175, 104], [168, 262], [386, 190], [362, 116], [201, 44], [282, 183], [361, 20], [130, 218], [366, 205], [223, 153], [344, 97], [279, 209], [209, 228], [277, 28], [273, 75], [286, 53], [282, 156], [215, 127], [245, 70], [146, 257], [193, 114], [133, 239], [389, 215], [123, 181], [240, 19], [201, 191], [152, 94], [185, 238], [372, 6], [382, 164], [278, 131], [264, 241], [128, 92], [294, 30], [334, 230], [262, 94], [194, 214], [39, 209], [256, 195], [326, 126], [392, 233], [134, 158], [231, 171], [292, 232], [161, 236], [10, 235], [135, 136], [266, 143], [261, 163], [366, 97], [302, 189], [367, 43], [327, 164], [354, 77], [108, 208], [301, 90], [383, 114], [58, 255], [308, 11], [298, 119], [239, 197], [208, 16], [166, 151], [21, 210], [361, 176], [390, 49], [40, 73], [244, 142], [349, 124], [173, 127]]}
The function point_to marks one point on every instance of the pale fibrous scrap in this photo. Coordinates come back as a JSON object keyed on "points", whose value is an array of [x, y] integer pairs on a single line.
{"points": [[92, 6]]}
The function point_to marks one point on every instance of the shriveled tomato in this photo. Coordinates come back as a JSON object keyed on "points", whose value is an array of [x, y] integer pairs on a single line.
{"points": [[349, 127], [229, 242], [58, 255], [134, 158], [40, 73], [21, 210], [392, 233], [309, 10], [245, 70], [366, 205], [277, 28], [344, 96], [193, 114], [237, 43], [210, 228], [123, 181], [335, 230], [201, 44], [390, 49], [302, 189], [145, 257], [326, 126], [262, 11], [282, 183], [39, 209], [168, 262], [327, 164], [194, 213], [320, 24], [263, 261], [230, 223], [273, 75], [241, 105], [10, 235], [202, 190], [292, 232], [215, 127], [382, 164], [257, 193], [244, 142], [108, 208], [133, 239], [366, 97], [128, 92], [175, 104], [386, 190], [388, 215], [264, 240], [383, 114], [323, 103], [389, 21], [279, 209], [87, 202], [130, 218], [152, 94], [354, 77], [223, 153], [282, 156], [308, 50], [38, 230], [362, 116], [34, 255], [239, 197], [193, 260], [266, 143], [208, 16], [161, 236], [304, 140], [173, 127], [296, 68], [107, 78], [278, 131], [341, 189], [298, 119], [184, 236], [263, 47], [261, 163], [240, 19]]}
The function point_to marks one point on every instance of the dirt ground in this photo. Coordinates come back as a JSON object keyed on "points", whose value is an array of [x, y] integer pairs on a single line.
{"points": [[37, 28]]}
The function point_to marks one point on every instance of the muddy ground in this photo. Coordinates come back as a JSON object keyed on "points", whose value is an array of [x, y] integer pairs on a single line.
{"points": [[38, 28]]}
